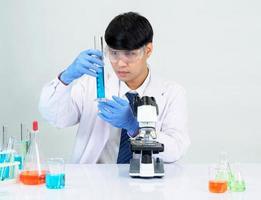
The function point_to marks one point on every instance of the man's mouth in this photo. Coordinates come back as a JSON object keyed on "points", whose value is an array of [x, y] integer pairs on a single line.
{"points": [[122, 73]]}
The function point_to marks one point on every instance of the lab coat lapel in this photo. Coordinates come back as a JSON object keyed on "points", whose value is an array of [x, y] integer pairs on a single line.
{"points": [[157, 90]]}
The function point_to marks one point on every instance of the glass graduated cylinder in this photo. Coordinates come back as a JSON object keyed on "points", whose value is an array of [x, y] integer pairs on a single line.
{"points": [[100, 84]]}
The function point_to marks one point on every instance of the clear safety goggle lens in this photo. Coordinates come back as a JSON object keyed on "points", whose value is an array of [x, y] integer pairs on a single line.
{"points": [[125, 55]]}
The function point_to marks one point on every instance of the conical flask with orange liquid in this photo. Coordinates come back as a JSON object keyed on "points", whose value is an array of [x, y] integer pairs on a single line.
{"points": [[33, 173]]}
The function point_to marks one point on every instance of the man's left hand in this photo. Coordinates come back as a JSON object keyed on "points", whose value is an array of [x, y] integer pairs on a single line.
{"points": [[118, 113]]}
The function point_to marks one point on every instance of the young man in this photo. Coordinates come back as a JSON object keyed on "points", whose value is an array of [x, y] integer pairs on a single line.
{"points": [[105, 127]]}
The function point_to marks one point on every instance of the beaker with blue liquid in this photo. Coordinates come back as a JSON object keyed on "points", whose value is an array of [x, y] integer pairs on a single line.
{"points": [[55, 177]]}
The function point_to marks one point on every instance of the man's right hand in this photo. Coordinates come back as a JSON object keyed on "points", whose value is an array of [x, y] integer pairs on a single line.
{"points": [[88, 62]]}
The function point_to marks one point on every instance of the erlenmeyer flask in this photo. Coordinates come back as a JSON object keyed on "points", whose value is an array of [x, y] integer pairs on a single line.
{"points": [[33, 174], [237, 184]]}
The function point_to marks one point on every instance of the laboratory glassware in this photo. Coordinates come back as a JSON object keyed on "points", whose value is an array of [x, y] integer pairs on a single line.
{"points": [[32, 173], [55, 177], [4, 137], [236, 181], [22, 145], [8, 158], [217, 179], [100, 87]]}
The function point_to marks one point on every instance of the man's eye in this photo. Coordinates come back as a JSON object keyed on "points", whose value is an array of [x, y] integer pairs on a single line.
{"points": [[114, 52], [127, 53], [130, 53], [133, 53]]}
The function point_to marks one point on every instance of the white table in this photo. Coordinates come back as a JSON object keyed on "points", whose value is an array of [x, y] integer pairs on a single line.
{"points": [[112, 182]]}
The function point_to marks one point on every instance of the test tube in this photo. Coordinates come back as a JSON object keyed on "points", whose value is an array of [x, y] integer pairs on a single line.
{"points": [[21, 147], [100, 78], [3, 145], [24, 138], [22, 131], [4, 136], [8, 159]]}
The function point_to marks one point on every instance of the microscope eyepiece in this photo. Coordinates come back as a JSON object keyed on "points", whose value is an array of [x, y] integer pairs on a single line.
{"points": [[145, 100]]}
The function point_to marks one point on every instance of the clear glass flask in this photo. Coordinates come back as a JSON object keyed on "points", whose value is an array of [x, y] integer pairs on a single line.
{"points": [[236, 181], [33, 173]]}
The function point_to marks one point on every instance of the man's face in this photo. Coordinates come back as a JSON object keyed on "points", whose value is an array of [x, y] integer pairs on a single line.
{"points": [[130, 66]]}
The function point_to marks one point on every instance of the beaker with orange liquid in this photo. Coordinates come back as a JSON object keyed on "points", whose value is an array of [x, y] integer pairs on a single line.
{"points": [[217, 179]]}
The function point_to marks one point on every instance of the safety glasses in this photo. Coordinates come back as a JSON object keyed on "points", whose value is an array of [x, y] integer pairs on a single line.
{"points": [[127, 56]]}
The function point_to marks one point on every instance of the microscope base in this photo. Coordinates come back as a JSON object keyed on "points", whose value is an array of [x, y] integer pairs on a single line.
{"points": [[156, 168]]}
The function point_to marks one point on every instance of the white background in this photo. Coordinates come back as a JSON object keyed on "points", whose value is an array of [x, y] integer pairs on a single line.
{"points": [[212, 48]]}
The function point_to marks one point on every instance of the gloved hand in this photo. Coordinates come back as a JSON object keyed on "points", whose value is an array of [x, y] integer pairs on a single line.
{"points": [[119, 114], [88, 62]]}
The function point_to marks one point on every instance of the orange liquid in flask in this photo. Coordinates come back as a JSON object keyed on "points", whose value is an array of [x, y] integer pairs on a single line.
{"points": [[217, 186], [32, 177]]}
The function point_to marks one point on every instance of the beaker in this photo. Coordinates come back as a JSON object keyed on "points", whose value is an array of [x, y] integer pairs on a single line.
{"points": [[55, 177], [217, 179]]}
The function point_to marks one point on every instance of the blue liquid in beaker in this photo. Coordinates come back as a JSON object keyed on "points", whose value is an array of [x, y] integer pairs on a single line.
{"points": [[4, 171], [19, 159], [100, 84], [55, 181]]}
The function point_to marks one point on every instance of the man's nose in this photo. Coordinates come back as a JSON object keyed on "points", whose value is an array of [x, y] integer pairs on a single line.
{"points": [[121, 62]]}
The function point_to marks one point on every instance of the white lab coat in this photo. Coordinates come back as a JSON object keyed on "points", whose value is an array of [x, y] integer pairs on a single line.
{"points": [[65, 106]]}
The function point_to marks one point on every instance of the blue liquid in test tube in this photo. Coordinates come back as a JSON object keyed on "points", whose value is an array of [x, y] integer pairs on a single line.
{"points": [[100, 78], [100, 84]]}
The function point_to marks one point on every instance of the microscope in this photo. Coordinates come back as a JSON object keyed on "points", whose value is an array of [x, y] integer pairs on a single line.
{"points": [[145, 163]]}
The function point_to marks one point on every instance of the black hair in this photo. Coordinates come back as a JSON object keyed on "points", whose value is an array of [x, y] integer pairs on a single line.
{"points": [[128, 31]]}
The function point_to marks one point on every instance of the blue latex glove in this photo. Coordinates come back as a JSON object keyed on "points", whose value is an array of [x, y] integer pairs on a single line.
{"points": [[88, 62], [119, 114]]}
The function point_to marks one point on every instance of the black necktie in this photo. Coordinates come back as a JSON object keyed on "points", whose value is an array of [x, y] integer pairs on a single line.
{"points": [[125, 153]]}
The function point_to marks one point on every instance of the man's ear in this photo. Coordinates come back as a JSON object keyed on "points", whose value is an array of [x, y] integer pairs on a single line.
{"points": [[148, 49]]}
